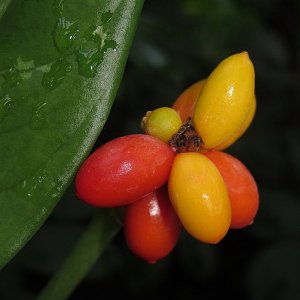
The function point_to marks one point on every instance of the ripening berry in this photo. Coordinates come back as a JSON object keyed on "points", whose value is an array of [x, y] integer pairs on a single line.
{"points": [[225, 100], [199, 197], [162, 123], [241, 186], [124, 170], [236, 135], [185, 106], [151, 226]]}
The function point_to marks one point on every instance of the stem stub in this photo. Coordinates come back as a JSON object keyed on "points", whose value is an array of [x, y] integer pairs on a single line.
{"points": [[186, 139]]}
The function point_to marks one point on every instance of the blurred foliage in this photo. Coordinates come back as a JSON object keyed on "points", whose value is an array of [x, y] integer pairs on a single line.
{"points": [[178, 43]]}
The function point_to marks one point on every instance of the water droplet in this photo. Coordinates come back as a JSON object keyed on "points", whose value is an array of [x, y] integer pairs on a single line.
{"points": [[23, 65], [93, 33], [30, 185], [58, 7], [39, 114], [64, 34], [93, 47], [99, 36], [110, 44], [5, 105], [12, 78], [56, 75], [88, 61], [90, 57], [44, 68], [26, 75], [106, 17]]}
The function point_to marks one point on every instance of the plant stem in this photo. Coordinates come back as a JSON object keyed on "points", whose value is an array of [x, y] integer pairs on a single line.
{"points": [[86, 252]]}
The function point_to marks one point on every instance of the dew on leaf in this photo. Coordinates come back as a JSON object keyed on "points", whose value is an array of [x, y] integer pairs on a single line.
{"points": [[26, 75], [12, 78], [30, 185], [88, 61], [38, 117], [110, 44], [95, 34], [64, 34], [23, 65], [56, 74], [5, 104], [44, 68], [91, 54], [106, 17], [21, 71], [100, 36]]}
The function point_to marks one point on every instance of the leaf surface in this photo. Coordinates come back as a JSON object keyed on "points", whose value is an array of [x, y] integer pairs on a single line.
{"points": [[61, 63], [3, 6]]}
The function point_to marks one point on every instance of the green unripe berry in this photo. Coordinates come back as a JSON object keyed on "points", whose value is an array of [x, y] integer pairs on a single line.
{"points": [[162, 123]]}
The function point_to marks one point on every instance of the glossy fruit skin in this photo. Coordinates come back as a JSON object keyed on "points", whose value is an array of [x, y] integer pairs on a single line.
{"points": [[240, 131], [241, 186], [185, 103], [199, 197], [151, 226], [124, 170], [162, 123], [185, 106], [225, 100]]}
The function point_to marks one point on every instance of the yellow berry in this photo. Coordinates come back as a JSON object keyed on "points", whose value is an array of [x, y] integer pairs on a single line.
{"points": [[225, 100], [199, 197], [162, 123], [186, 101], [236, 135]]}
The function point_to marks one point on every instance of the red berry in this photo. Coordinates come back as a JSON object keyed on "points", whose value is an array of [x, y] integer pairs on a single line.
{"points": [[124, 170], [151, 226], [241, 186]]}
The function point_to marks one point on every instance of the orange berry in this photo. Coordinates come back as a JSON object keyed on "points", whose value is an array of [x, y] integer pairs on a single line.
{"points": [[241, 186]]}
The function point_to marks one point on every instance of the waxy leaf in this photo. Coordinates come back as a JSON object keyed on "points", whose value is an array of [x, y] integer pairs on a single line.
{"points": [[3, 5], [61, 63]]}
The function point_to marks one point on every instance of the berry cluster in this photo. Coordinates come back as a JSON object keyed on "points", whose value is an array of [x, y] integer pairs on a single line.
{"points": [[176, 174]]}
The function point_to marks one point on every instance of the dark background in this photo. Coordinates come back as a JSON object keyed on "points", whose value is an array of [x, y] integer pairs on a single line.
{"points": [[178, 43]]}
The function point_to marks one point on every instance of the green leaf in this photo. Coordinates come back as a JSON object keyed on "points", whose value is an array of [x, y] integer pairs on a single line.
{"points": [[3, 6], [84, 255], [61, 64]]}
